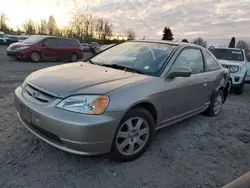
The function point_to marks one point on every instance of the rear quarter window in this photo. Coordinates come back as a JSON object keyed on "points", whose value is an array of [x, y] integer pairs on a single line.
{"points": [[73, 42], [62, 42], [211, 64]]}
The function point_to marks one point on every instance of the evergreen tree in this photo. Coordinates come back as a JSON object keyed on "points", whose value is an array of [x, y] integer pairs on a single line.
{"points": [[167, 34], [232, 43]]}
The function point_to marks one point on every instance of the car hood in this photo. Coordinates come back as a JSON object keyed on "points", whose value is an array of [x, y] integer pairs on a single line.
{"points": [[19, 44], [229, 62], [82, 78]]}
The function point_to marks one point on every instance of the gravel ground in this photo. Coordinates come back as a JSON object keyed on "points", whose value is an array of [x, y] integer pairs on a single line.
{"points": [[198, 152]]}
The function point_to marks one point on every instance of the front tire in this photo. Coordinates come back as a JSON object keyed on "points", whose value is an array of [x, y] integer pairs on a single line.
{"points": [[73, 57], [215, 104], [35, 57], [134, 135], [239, 89]]}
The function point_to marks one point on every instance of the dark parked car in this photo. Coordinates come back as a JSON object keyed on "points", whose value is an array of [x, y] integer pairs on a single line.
{"points": [[22, 38], [116, 100], [105, 47], [39, 47], [11, 39]]}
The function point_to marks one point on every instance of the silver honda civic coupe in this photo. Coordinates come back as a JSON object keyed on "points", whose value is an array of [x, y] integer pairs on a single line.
{"points": [[114, 101]]}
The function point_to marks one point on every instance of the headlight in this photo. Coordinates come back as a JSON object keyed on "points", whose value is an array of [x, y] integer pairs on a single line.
{"points": [[234, 69], [21, 48], [85, 104]]}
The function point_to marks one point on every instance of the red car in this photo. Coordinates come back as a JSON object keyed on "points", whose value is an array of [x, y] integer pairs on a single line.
{"points": [[40, 47]]}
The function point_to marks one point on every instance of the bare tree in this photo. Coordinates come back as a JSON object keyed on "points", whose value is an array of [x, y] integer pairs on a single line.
{"points": [[130, 35], [76, 26], [3, 21], [200, 41], [99, 28], [29, 27], [107, 31], [42, 27], [52, 27], [243, 45]]}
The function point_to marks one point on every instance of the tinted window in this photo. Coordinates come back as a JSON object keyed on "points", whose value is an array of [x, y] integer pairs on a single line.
{"points": [[49, 42], [191, 58], [62, 42], [210, 62], [227, 54], [73, 42], [33, 39]]}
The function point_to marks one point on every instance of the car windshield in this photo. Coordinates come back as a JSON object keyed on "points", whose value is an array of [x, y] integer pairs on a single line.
{"points": [[142, 57], [33, 39], [1, 35], [228, 54]]}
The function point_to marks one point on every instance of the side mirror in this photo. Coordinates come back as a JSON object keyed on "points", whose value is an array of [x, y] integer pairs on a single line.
{"points": [[179, 72], [43, 44]]}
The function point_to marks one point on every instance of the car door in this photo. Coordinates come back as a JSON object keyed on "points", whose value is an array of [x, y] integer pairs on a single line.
{"points": [[63, 47], [49, 48], [185, 96]]}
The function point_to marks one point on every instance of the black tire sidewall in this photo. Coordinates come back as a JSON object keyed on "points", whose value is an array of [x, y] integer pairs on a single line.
{"points": [[213, 101], [210, 110], [136, 112], [239, 89]]}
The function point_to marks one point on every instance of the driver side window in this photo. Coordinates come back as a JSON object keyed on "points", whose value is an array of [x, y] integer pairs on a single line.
{"points": [[191, 58], [49, 42]]}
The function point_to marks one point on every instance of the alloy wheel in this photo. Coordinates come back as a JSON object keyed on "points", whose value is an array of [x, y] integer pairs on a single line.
{"points": [[132, 136], [217, 104], [35, 57]]}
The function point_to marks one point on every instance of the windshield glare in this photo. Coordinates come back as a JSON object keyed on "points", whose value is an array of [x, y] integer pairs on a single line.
{"points": [[145, 57], [228, 54], [33, 39]]}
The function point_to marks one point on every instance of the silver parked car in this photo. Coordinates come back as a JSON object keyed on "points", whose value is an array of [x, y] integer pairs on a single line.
{"points": [[116, 100], [86, 47]]}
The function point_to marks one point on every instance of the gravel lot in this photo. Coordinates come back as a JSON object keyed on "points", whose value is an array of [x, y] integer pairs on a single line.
{"points": [[198, 152]]}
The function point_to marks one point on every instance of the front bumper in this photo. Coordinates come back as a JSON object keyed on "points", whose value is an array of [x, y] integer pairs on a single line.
{"points": [[238, 78], [71, 132], [20, 54]]}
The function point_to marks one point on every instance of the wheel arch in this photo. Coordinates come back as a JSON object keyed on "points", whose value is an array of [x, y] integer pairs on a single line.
{"points": [[147, 106]]}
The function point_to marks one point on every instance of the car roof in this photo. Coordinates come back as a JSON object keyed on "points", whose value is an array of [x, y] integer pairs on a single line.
{"points": [[183, 44], [51, 36], [225, 48]]}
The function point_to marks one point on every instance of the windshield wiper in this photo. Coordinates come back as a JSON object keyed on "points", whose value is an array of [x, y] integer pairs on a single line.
{"points": [[94, 63], [121, 67]]}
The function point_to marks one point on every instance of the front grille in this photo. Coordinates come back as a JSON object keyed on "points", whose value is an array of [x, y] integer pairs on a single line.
{"points": [[37, 95], [44, 133]]}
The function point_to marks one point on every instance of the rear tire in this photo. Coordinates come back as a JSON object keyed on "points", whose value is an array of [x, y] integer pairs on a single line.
{"points": [[35, 57], [215, 104], [239, 89], [73, 57], [133, 135]]}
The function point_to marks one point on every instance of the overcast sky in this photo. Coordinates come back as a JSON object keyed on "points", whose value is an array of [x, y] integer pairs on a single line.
{"points": [[211, 19]]}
